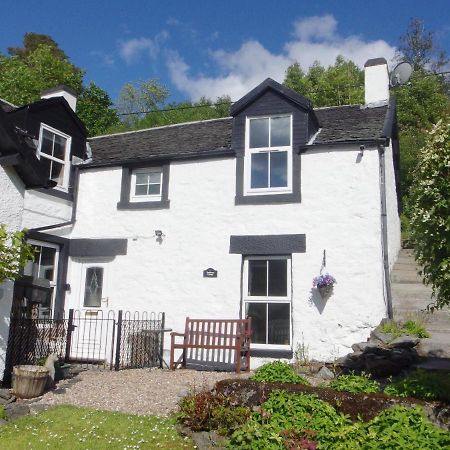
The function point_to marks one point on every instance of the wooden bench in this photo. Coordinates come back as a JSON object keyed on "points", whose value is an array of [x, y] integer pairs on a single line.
{"points": [[214, 344]]}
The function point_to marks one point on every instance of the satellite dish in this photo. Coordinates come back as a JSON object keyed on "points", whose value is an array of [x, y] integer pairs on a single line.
{"points": [[401, 73]]}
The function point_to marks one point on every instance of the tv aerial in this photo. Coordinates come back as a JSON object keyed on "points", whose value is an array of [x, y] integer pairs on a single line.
{"points": [[401, 74]]}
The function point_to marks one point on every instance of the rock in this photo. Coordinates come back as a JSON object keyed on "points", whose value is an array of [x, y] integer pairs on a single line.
{"points": [[404, 342], [379, 366], [325, 373], [5, 394], [16, 410], [378, 336]]}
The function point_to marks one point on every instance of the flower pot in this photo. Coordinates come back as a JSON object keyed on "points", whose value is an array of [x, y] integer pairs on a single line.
{"points": [[29, 381], [325, 291]]}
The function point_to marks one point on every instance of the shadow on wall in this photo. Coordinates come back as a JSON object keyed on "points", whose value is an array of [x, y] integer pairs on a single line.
{"points": [[316, 299], [6, 295]]}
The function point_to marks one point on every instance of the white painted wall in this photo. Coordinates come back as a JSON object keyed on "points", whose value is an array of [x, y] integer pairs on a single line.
{"points": [[12, 192], [339, 212], [393, 218]]}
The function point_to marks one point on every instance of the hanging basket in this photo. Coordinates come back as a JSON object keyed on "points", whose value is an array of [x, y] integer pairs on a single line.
{"points": [[325, 291]]}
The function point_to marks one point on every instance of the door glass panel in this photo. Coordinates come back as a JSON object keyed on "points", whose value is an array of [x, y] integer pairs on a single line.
{"points": [[280, 131], [278, 277], [260, 170], [278, 169], [93, 287], [258, 313], [257, 277], [278, 326], [259, 133]]}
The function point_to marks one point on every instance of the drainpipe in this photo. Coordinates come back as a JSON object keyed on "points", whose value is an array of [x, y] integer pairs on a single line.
{"points": [[384, 235], [74, 206]]}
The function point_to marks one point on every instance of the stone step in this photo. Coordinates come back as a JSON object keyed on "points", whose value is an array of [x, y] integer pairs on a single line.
{"points": [[437, 346], [404, 259], [413, 290], [406, 276]]}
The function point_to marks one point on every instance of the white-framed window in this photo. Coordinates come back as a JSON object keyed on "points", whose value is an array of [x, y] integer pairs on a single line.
{"points": [[146, 184], [54, 154], [44, 266], [267, 300], [268, 155]]}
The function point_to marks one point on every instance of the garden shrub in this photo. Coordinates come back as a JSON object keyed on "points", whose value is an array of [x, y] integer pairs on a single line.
{"points": [[354, 383], [278, 372], [286, 420], [410, 327], [206, 411], [422, 384]]}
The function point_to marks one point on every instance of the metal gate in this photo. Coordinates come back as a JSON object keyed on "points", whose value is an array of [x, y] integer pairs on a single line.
{"points": [[89, 339]]}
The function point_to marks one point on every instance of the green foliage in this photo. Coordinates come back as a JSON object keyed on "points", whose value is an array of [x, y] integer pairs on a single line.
{"points": [[14, 253], [430, 211], [205, 411], [277, 372], [422, 384], [286, 414], [3, 415], [95, 109], [410, 327], [355, 383], [339, 84]]}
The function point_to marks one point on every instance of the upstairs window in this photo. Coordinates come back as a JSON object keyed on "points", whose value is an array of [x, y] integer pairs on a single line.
{"points": [[54, 152], [146, 185], [269, 155]]}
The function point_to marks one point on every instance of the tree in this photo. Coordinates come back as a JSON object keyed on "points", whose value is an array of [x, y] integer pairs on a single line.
{"points": [[430, 211], [14, 253], [339, 84], [419, 48], [40, 64], [95, 109]]}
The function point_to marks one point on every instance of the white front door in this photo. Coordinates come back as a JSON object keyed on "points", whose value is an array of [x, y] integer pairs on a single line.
{"points": [[92, 339]]}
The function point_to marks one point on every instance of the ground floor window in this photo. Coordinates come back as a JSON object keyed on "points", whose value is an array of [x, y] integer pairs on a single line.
{"points": [[267, 299]]}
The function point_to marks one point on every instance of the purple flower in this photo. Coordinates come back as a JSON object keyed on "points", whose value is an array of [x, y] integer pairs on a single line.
{"points": [[324, 280]]}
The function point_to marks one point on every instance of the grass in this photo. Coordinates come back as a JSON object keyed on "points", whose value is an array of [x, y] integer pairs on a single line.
{"points": [[65, 427], [410, 327]]}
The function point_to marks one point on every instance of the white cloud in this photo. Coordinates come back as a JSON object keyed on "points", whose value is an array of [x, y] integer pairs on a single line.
{"points": [[103, 58], [313, 38], [132, 49]]}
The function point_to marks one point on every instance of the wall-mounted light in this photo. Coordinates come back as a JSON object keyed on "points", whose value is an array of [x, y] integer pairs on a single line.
{"points": [[361, 150], [159, 233]]}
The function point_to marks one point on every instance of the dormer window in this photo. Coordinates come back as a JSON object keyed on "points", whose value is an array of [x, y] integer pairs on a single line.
{"points": [[268, 155], [54, 154]]}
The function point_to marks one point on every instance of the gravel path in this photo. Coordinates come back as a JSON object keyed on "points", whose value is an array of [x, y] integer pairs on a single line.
{"points": [[136, 391]]}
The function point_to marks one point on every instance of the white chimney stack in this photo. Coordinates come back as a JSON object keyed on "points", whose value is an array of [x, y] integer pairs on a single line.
{"points": [[62, 91], [376, 82]]}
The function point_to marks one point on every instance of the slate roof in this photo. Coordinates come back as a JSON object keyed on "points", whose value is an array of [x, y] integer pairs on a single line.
{"points": [[338, 124], [6, 106]]}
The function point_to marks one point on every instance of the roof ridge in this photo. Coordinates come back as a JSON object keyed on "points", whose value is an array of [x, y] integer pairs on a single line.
{"points": [[160, 127], [337, 106], [8, 103]]}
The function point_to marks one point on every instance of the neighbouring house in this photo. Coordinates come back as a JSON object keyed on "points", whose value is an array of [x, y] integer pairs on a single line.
{"points": [[226, 218]]}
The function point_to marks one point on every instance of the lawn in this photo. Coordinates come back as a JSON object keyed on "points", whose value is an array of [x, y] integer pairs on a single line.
{"points": [[65, 427]]}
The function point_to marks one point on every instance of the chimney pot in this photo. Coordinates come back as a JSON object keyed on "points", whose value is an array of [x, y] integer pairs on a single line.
{"points": [[376, 82]]}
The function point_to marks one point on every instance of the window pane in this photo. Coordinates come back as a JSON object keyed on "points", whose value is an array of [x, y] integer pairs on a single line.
{"points": [[260, 169], [142, 178], [278, 277], [57, 173], [258, 313], [93, 287], [279, 318], [47, 265], [154, 189], [46, 164], [59, 148], [280, 131], [47, 142], [155, 177], [259, 133], [141, 189], [44, 308], [257, 277], [278, 169]]}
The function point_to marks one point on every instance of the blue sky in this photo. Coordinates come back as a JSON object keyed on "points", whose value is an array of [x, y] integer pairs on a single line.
{"points": [[211, 47]]}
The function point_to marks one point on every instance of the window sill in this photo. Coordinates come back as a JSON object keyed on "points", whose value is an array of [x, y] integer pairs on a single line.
{"points": [[265, 199], [58, 193], [163, 204], [271, 353]]}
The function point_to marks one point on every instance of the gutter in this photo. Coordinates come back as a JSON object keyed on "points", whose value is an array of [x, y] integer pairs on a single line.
{"points": [[384, 234]]}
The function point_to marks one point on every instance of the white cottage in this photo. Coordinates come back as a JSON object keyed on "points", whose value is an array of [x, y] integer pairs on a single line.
{"points": [[233, 217]]}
